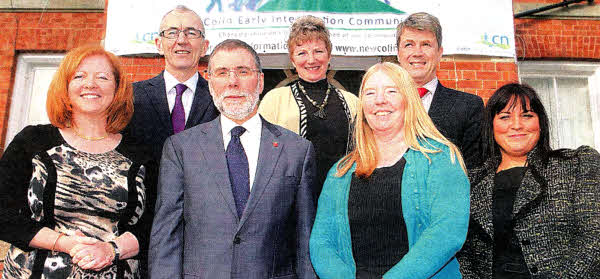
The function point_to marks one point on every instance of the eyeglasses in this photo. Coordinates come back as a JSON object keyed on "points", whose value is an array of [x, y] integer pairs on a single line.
{"points": [[240, 72], [190, 33]]}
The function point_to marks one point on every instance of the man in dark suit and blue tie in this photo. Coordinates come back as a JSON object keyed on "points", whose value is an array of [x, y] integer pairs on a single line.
{"points": [[234, 194], [457, 115]]}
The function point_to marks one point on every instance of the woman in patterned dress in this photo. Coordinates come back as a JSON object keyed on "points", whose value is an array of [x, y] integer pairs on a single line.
{"points": [[311, 106], [72, 193]]}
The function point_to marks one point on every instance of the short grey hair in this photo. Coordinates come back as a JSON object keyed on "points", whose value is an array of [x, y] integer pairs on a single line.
{"points": [[181, 9], [232, 44], [423, 22]]}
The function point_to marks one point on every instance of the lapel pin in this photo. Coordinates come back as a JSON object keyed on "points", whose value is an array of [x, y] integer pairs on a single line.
{"points": [[275, 144]]}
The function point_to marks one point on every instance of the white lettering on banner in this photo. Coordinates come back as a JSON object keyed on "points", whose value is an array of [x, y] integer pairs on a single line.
{"points": [[369, 30]]}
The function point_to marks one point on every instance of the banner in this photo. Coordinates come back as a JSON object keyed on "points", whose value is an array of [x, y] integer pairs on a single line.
{"points": [[357, 27]]}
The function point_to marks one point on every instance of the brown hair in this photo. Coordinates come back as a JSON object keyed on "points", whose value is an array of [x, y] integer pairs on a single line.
{"points": [[58, 104], [307, 28], [418, 127], [423, 22], [234, 44]]}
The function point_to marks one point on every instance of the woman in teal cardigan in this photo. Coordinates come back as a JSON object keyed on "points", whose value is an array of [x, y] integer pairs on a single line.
{"points": [[398, 205]]}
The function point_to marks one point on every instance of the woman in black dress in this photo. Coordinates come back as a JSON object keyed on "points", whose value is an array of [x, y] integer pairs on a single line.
{"points": [[535, 212], [72, 193]]}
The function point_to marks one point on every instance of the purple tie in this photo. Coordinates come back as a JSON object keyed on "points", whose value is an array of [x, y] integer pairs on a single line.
{"points": [[178, 114]]}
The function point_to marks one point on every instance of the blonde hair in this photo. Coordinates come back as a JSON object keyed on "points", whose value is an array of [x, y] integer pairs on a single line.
{"points": [[308, 28], [418, 127]]}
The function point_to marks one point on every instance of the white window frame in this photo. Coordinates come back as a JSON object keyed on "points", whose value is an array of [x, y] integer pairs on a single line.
{"points": [[20, 103], [557, 69]]}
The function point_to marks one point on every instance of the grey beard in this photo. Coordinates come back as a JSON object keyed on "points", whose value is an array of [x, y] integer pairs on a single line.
{"points": [[241, 112]]}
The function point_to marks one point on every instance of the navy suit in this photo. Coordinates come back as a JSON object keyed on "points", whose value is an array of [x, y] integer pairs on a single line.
{"points": [[197, 232], [151, 122], [457, 115]]}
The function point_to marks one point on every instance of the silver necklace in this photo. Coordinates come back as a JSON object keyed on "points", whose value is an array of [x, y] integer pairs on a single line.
{"points": [[321, 107]]}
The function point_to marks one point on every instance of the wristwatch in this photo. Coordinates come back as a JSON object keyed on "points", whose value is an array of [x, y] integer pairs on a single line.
{"points": [[115, 250]]}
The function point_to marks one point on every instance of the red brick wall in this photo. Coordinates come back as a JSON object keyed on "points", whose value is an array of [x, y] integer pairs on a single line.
{"points": [[480, 77], [577, 39], [141, 68], [558, 38]]}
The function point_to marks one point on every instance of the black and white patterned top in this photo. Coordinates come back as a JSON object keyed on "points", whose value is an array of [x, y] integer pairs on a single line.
{"points": [[102, 195], [555, 216]]}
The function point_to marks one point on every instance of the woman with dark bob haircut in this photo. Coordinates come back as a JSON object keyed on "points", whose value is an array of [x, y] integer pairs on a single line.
{"points": [[535, 212], [72, 193]]}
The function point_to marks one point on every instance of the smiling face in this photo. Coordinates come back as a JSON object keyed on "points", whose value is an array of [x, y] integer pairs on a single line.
{"points": [[236, 97], [92, 87], [311, 60], [181, 54], [419, 54], [383, 105], [516, 131]]}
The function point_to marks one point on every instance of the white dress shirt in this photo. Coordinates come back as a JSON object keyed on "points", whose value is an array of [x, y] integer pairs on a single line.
{"points": [[188, 95], [428, 98], [250, 140]]}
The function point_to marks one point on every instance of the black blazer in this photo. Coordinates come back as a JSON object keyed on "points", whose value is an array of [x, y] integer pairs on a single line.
{"points": [[151, 122], [457, 115]]}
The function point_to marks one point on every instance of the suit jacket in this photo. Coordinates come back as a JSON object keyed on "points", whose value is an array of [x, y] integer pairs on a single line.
{"points": [[457, 115], [556, 216], [151, 121], [151, 125], [196, 231]]}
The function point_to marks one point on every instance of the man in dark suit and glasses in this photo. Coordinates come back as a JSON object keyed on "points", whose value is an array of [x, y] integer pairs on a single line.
{"points": [[457, 115], [178, 97], [175, 99], [234, 194]]}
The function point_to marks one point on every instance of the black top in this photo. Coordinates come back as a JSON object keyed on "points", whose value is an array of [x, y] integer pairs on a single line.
{"points": [[508, 258], [329, 136], [377, 228]]}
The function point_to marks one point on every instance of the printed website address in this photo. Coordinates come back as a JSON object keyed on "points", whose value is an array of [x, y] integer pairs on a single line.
{"points": [[390, 48]]}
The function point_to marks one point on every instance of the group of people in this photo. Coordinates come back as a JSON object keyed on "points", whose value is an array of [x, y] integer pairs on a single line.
{"points": [[182, 177]]}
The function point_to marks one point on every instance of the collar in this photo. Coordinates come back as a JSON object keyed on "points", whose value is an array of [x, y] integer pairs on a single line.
{"points": [[431, 85], [252, 125], [171, 81]]}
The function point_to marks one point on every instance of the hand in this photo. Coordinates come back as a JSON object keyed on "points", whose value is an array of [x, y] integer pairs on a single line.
{"points": [[66, 243], [95, 256]]}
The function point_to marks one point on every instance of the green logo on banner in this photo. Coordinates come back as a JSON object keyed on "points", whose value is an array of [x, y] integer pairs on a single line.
{"points": [[494, 40], [331, 6]]}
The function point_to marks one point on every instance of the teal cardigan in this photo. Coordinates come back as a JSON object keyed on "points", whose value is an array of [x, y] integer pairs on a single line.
{"points": [[435, 206]]}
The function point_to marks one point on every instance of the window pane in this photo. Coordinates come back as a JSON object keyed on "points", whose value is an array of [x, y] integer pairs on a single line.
{"points": [[568, 106], [544, 86], [37, 108], [575, 119]]}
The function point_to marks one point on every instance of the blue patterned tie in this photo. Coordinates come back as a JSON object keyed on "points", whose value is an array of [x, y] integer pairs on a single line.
{"points": [[178, 113], [237, 164]]}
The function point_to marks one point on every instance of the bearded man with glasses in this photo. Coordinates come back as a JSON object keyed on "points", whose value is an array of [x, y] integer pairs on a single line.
{"points": [[235, 194]]}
